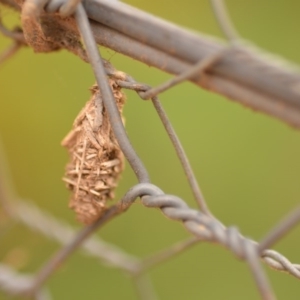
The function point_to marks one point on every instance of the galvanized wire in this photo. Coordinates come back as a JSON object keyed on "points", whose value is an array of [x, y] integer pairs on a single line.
{"points": [[108, 98], [251, 77], [247, 75], [58, 230], [202, 224], [13, 283], [227, 27]]}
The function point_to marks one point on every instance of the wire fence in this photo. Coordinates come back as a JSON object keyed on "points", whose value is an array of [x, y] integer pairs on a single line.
{"points": [[237, 71]]}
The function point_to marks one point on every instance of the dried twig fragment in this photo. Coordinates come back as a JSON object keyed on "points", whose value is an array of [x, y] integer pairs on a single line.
{"points": [[96, 160]]}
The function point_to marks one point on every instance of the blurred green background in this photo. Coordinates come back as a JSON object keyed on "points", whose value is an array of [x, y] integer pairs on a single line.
{"points": [[247, 163]]}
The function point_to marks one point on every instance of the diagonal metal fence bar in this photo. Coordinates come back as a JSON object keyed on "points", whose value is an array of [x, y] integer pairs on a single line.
{"points": [[248, 75], [247, 67]]}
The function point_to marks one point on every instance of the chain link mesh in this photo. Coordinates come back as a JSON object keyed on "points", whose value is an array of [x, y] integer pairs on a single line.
{"points": [[201, 223]]}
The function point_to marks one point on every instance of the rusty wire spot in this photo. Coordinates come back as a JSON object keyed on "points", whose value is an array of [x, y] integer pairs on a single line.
{"points": [[96, 160]]}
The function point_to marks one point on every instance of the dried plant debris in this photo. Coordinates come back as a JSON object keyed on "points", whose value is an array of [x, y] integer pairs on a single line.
{"points": [[96, 160]]}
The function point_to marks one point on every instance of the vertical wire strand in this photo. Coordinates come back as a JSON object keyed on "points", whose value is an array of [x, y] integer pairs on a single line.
{"points": [[143, 288], [224, 21], [182, 157], [259, 276], [108, 99]]}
